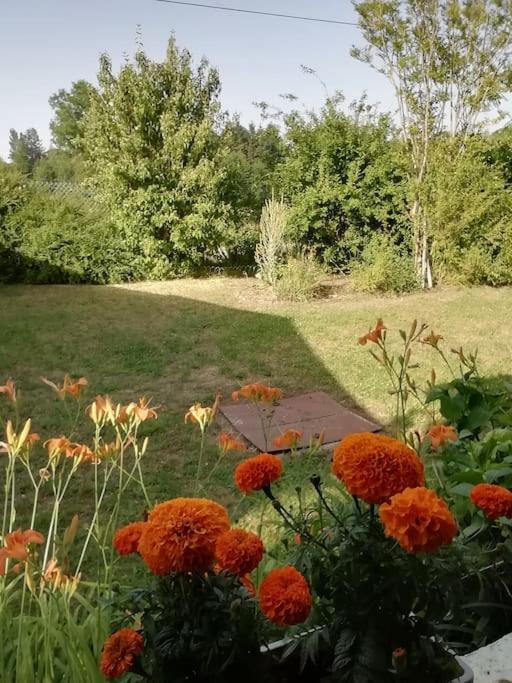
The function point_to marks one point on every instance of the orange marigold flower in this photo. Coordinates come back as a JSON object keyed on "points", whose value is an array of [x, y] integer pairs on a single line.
{"points": [[16, 547], [72, 387], [495, 501], [374, 467], [239, 551], [126, 539], [440, 434], [258, 472], [228, 442], [374, 335], [258, 393], [288, 439], [180, 535], [9, 389], [285, 598], [419, 520], [119, 652]]}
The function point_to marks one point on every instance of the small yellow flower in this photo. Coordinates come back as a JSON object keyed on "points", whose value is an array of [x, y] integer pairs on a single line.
{"points": [[203, 416]]}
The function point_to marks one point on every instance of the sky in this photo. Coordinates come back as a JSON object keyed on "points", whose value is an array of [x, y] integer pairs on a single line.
{"points": [[45, 45]]}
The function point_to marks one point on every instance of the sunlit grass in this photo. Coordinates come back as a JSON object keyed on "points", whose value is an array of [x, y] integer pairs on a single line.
{"points": [[180, 342]]}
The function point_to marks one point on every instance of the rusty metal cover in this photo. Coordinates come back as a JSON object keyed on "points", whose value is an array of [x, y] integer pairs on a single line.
{"points": [[311, 413]]}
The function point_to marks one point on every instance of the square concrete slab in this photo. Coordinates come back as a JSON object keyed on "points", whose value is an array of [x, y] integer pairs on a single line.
{"points": [[311, 413]]}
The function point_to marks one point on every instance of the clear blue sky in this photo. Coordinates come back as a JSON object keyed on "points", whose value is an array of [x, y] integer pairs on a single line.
{"points": [[47, 44]]}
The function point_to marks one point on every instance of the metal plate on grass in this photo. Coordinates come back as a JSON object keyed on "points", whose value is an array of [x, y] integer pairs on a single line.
{"points": [[313, 414]]}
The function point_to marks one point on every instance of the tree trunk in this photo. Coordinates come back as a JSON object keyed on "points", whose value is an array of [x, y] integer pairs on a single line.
{"points": [[422, 260]]}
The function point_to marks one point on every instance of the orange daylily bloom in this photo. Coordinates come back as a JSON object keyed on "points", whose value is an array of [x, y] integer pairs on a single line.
{"points": [[73, 388], [440, 434], [228, 442], [54, 577], [9, 389], [107, 450], [140, 410], [83, 453], [101, 409], [289, 439], [16, 547], [203, 415], [432, 339], [59, 445], [258, 393], [374, 335]]}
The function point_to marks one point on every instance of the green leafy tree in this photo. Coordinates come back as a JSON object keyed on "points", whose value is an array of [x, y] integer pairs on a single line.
{"points": [[449, 64], [59, 166], [154, 154], [25, 149], [69, 108], [253, 156], [344, 179]]}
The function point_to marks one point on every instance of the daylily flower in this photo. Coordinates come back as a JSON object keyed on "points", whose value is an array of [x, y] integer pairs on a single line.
{"points": [[203, 415], [289, 439], [101, 409], [9, 389], [228, 442], [432, 339], [440, 434], [374, 335], [60, 445], [54, 577], [141, 410], [73, 388], [16, 547], [258, 393], [14, 441]]}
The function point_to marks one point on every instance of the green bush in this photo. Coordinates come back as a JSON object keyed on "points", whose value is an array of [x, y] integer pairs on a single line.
{"points": [[56, 238], [470, 215], [344, 178], [384, 268], [300, 278]]}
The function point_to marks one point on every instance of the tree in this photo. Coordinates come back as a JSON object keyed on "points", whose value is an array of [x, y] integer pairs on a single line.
{"points": [[153, 152], [344, 179], [59, 166], [69, 110], [254, 154], [25, 149], [449, 64]]}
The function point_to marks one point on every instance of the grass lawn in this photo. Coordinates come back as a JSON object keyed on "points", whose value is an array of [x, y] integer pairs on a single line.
{"points": [[181, 341]]}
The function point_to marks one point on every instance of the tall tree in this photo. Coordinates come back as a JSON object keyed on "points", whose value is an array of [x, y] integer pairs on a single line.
{"points": [[69, 108], [449, 62], [25, 149], [154, 153]]}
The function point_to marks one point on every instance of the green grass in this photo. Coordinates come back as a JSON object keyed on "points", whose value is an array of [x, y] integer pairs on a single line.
{"points": [[180, 342]]}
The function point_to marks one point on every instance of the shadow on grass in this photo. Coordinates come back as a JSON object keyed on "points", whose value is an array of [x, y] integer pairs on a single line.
{"points": [[177, 350]]}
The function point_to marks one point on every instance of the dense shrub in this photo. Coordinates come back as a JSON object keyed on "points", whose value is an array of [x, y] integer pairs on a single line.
{"points": [[383, 267], [470, 209], [60, 238], [344, 179], [300, 278]]}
